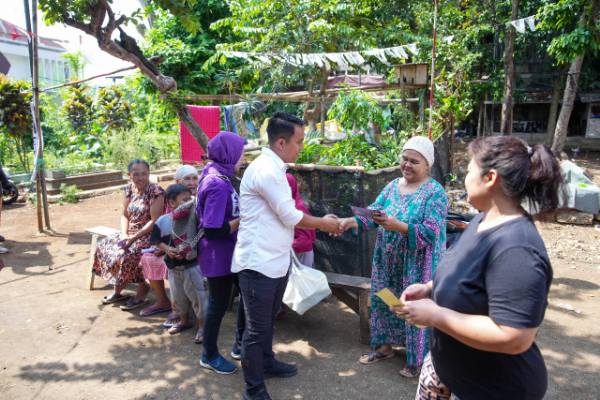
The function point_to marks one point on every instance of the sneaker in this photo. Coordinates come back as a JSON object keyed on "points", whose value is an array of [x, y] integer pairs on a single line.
{"points": [[220, 365], [280, 369], [3, 250], [236, 352], [261, 395]]}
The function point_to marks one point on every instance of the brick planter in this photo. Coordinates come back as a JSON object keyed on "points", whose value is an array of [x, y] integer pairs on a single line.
{"points": [[88, 181]]}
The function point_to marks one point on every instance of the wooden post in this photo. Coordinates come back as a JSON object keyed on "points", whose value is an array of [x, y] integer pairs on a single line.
{"points": [[41, 178], [33, 70], [90, 272], [432, 89]]}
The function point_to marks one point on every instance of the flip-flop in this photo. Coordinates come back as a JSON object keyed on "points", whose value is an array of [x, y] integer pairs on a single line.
{"points": [[374, 356], [178, 328], [171, 320], [132, 304], [407, 373], [114, 298], [153, 310]]}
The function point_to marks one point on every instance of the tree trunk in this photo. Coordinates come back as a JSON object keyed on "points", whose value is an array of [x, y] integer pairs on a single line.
{"points": [[185, 116], [480, 119], [551, 125], [560, 135], [509, 71]]}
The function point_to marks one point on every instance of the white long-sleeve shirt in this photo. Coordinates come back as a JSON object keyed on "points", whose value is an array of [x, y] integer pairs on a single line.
{"points": [[268, 216]]}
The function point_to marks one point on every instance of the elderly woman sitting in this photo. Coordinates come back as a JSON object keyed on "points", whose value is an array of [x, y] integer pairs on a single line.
{"points": [[117, 258]]}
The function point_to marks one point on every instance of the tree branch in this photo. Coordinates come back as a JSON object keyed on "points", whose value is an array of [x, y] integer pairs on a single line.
{"points": [[78, 25]]}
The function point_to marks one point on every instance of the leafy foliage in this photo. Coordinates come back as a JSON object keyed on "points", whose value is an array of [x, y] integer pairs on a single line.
{"points": [[15, 113], [77, 108], [15, 116], [69, 193], [355, 109], [575, 36], [356, 151], [113, 110]]}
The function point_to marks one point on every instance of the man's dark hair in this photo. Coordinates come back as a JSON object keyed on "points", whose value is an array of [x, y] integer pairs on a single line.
{"points": [[282, 125], [174, 190]]}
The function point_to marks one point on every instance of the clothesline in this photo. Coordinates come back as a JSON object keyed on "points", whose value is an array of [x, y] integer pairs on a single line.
{"points": [[342, 59], [521, 24]]}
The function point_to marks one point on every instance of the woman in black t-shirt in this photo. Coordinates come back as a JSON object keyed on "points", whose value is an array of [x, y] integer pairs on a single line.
{"points": [[489, 294]]}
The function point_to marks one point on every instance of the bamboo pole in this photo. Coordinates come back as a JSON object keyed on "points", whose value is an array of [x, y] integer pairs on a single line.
{"points": [[42, 203], [432, 89], [87, 79], [38, 188]]}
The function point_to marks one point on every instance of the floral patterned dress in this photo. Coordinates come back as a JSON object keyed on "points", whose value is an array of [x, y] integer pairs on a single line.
{"points": [[400, 260], [119, 266]]}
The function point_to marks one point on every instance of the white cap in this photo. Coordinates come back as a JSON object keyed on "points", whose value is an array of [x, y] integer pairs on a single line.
{"points": [[184, 171], [423, 146]]}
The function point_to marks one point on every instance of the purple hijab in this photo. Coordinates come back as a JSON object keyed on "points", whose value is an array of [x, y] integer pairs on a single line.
{"points": [[224, 151]]}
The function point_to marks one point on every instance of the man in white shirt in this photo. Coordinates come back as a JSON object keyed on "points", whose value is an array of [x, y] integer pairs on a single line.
{"points": [[268, 216]]}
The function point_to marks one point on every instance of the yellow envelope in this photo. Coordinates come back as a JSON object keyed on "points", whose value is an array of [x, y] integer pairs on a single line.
{"points": [[389, 298]]}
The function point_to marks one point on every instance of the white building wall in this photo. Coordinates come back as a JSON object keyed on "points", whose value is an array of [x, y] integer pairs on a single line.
{"points": [[52, 65]]}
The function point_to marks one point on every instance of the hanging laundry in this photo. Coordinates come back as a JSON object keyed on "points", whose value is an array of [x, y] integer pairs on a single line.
{"points": [[230, 124], [238, 111], [531, 23], [519, 25]]}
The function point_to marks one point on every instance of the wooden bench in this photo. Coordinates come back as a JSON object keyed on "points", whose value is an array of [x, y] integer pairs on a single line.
{"points": [[353, 291], [97, 232]]}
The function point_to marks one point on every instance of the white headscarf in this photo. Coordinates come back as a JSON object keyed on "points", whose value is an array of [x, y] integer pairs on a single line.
{"points": [[423, 146], [184, 171]]}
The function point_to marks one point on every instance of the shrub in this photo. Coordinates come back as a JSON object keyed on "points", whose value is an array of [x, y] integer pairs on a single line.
{"points": [[69, 193]]}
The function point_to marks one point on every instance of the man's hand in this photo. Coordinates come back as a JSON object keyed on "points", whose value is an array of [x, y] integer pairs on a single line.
{"points": [[330, 224]]}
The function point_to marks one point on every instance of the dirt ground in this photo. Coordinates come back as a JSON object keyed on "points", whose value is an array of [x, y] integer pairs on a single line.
{"points": [[58, 342]]}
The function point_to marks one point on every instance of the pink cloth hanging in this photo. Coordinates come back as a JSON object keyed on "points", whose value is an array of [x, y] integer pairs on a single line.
{"points": [[209, 119]]}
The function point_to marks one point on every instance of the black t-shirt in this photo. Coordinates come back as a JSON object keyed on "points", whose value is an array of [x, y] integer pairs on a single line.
{"points": [[504, 273]]}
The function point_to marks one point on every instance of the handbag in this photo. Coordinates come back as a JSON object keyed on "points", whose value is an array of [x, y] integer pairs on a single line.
{"points": [[306, 287]]}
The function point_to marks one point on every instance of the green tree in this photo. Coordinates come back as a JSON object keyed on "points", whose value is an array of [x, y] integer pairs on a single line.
{"points": [[97, 18], [76, 64], [15, 115], [113, 110], [576, 22]]}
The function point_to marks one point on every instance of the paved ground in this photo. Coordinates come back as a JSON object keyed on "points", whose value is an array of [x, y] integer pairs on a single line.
{"points": [[58, 342]]}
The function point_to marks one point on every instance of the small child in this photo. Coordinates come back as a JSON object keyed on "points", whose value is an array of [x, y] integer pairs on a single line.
{"points": [[176, 233]]}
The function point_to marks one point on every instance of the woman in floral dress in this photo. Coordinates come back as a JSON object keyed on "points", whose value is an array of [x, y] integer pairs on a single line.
{"points": [[117, 257], [410, 239]]}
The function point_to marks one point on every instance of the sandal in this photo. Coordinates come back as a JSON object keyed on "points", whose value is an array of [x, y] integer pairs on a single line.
{"points": [[409, 373], [178, 328], [374, 356], [153, 310], [132, 304], [171, 320], [199, 338], [114, 298]]}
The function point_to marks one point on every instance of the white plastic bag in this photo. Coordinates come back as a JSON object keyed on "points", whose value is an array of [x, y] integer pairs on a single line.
{"points": [[306, 287]]}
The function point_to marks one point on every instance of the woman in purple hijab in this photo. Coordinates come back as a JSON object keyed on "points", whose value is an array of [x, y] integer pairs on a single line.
{"points": [[218, 214]]}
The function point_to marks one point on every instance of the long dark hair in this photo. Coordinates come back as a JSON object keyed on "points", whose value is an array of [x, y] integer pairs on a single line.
{"points": [[527, 173]]}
